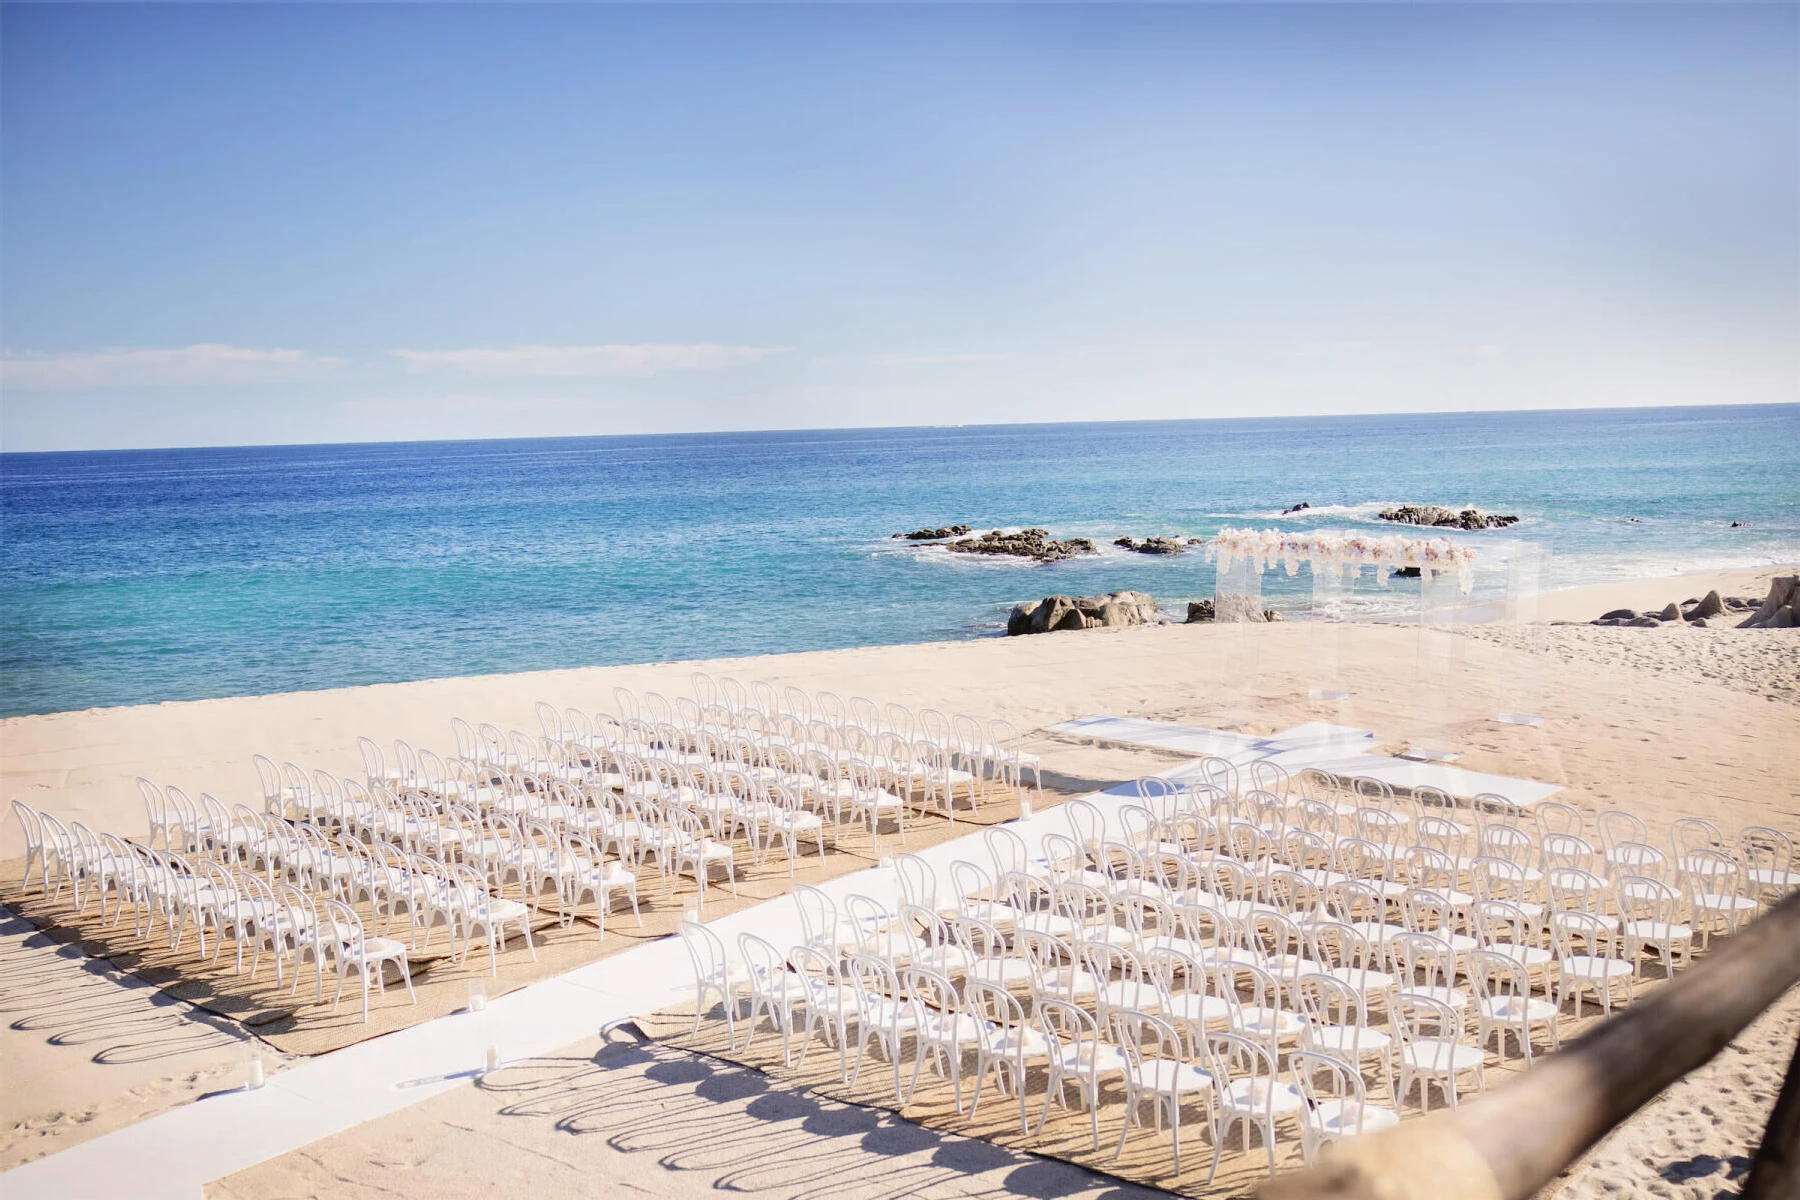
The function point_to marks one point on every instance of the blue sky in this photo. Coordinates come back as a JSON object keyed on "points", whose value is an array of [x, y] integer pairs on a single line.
{"points": [[224, 225]]}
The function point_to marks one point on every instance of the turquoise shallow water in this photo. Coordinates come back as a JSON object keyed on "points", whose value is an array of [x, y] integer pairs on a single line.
{"points": [[138, 576]]}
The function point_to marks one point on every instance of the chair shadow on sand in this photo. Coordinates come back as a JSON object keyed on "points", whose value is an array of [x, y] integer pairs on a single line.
{"points": [[753, 1134]]}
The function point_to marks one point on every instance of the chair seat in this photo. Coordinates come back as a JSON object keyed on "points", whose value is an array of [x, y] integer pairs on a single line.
{"points": [[1437, 1056], [1169, 1077], [1195, 1008], [1120, 993], [1003, 971], [379, 948], [1255, 1022], [1259, 1096], [957, 1029], [1087, 1058], [1455, 997], [1347, 1041], [1347, 1118], [1021, 1040], [1658, 931], [1366, 982], [1526, 956], [1513, 1009], [507, 910]]}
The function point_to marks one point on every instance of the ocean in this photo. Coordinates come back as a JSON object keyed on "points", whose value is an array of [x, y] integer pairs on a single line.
{"points": [[132, 577]]}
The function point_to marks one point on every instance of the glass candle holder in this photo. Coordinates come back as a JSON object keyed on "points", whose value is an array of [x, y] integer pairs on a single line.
{"points": [[253, 1065], [477, 996]]}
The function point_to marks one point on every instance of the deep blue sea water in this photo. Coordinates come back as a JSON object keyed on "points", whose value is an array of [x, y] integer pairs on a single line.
{"points": [[138, 576]]}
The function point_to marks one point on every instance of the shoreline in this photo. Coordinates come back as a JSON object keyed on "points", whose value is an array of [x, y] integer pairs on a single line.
{"points": [[1557, 605]]}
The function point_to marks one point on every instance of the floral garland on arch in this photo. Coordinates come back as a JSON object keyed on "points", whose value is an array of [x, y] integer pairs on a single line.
{"points": [[1342, 552]]}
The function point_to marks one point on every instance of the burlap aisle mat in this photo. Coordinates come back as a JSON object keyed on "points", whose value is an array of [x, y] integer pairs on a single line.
{"points": [[1067, 1133], [295, 1023]]}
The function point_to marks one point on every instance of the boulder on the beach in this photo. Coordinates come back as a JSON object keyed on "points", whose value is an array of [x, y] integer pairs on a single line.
{"points": [[933, 535], [1270, 614], [1199, 610], [1034, 544], [1619, 614], [1672, 612], [1710, 605], [1054, 614], [1645, 622], [1778, 609], [1698, 622], [1438, 516]]}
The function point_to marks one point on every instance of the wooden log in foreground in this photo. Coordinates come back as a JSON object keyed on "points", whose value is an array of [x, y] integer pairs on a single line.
{"points": [[1513, 1142]]}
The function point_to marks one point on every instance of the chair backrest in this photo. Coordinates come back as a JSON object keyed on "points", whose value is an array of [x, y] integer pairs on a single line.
{"points": [[1145, 1038], [1553, 816], [1422, 960], [268, 776], [1007, 848], [1342, 1083], [29, 825], [1419, 1018], [918, 882], [156, 807], [767, 964], [374, 763], [1598, 938], [706, 952]]}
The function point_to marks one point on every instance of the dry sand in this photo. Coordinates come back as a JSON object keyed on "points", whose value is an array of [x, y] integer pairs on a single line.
{"points": [[86, 1050], [1664, 722]]}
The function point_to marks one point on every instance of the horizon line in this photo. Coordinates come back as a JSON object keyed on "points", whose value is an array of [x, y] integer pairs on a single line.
{"points": [[702, 433]]}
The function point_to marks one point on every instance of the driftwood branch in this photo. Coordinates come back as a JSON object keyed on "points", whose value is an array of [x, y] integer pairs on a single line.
{"points": [[1512, 1143]]}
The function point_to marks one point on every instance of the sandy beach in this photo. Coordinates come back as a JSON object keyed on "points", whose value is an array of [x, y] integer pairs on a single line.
{"points": [[1664, 722]]}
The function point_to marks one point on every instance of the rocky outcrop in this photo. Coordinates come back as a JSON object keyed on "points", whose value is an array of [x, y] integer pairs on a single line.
{"points": [[1053, 614], [1199, 610], [1781, 608], [1695, 611], [1436, 516], [932, 535], [1300, 507], [1034, 544], [1156, 545], [1405, 573]]}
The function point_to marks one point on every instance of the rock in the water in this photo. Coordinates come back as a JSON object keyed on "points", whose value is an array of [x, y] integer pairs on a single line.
{"points": [[1435, 515], [1671, 613], [1711, 605], [1625, 614], [1300, 507], [1199, 610], [1153, 545], [1405, 573], [1196, 541], [1777, 611], [1027, 543], [933, 535], [1055, 613]]}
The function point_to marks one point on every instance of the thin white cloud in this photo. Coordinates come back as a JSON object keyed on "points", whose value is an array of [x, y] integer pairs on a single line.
{"points": [[190, 366], [932, 360], [649, 358]]}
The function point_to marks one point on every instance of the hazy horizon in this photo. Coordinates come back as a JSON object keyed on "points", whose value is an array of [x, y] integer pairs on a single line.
{"points": [[298, 225], [995, 425]]}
